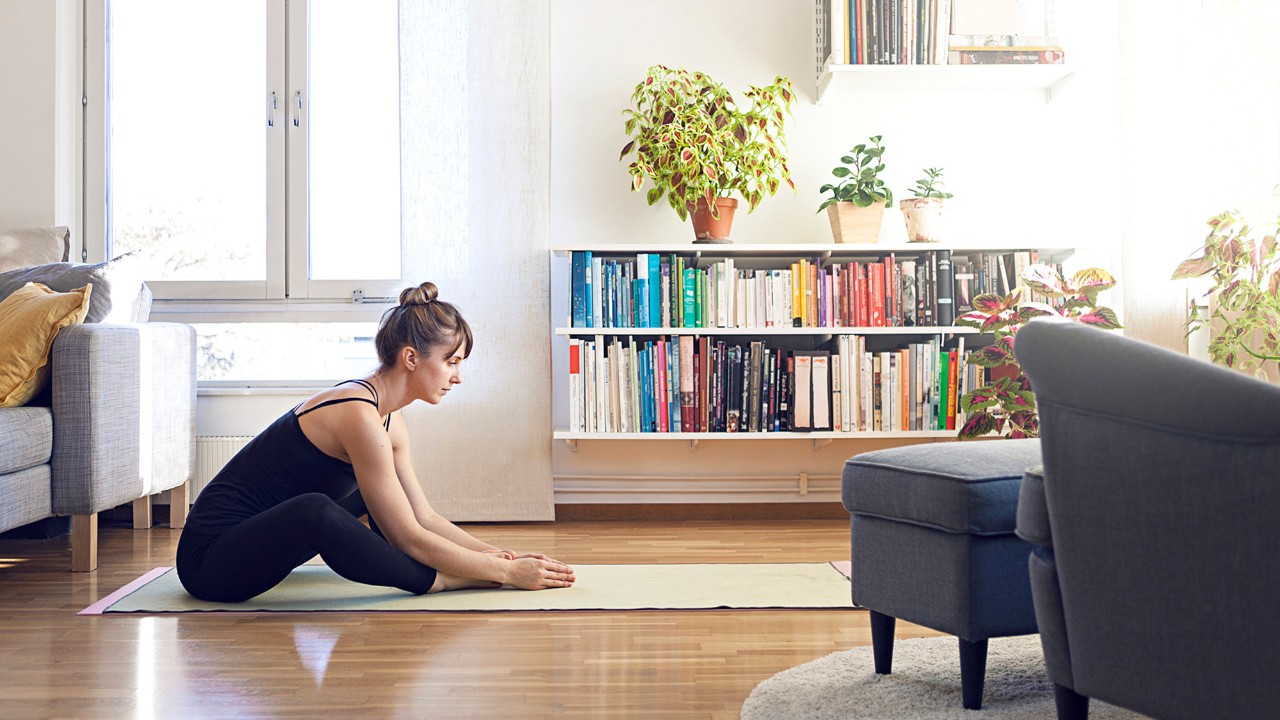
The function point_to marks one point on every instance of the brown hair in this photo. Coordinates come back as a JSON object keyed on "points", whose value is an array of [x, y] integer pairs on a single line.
{"points": [[423, 323]]}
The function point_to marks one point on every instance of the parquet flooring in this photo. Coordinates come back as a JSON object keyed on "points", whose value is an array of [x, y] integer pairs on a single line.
{"points": [[643, 664]]}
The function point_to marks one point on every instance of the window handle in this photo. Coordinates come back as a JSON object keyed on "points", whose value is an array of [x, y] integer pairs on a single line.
{"points": [[271, 109], [297, 108]]}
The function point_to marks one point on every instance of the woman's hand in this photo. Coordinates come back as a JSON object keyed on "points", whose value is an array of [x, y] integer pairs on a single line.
{"points": [[504, 554], [529, 572]]}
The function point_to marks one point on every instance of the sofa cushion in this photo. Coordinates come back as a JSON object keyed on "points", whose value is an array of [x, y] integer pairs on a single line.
{"points": [[119, 295], [24, 247], [964, 487], [28, 438], [29, 321], [24, 497]]}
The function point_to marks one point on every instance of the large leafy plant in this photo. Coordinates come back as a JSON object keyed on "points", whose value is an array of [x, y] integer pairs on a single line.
{"points": [[1005, 405], [693, 142], [1245, 272], [859, 174]]}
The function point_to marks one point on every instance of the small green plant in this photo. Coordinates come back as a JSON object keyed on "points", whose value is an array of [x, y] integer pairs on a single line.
{"points": [[859, 174], [1245, 271], [928, 187], [694, 143], [1005, 404]]}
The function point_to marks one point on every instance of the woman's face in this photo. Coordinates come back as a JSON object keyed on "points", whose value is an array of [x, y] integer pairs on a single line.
{"points": [[438, 372]]}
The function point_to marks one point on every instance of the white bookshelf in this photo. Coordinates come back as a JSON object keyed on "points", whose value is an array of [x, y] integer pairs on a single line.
{"points": [[775, 255]]}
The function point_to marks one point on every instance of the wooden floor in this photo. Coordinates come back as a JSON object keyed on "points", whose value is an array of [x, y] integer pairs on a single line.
{"points": [[643, 664]]}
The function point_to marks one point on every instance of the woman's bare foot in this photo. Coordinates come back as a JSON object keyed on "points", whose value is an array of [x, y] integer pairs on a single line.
{"points": [[444, 582]]}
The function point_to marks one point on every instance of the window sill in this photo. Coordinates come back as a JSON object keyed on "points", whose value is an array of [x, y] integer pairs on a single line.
{"points": [[289, 311], [225, 388]]}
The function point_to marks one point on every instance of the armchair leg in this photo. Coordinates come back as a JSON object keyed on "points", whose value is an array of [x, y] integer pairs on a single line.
{"points": [[142, 513], [973, 672], [1071, 705], [84, 543], [179, 504], [882, 641]]}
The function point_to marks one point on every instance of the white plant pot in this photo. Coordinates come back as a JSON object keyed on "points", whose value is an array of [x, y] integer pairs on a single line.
{"points": [[924, 218]]}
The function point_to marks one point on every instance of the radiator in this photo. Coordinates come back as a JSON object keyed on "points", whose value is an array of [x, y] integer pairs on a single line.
{"points": [[212, 452]]}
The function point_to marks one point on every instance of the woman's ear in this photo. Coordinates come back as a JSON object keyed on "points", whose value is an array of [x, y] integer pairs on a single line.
{"points": [[409, 357]]}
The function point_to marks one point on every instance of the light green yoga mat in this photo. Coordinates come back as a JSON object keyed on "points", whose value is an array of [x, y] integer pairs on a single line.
{"points": [[598, 587]]}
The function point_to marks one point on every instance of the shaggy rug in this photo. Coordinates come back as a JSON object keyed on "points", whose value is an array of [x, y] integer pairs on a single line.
{"points": [[316, 588], [924, 685]]}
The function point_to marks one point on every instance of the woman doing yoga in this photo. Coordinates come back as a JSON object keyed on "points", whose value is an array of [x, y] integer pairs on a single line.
{"points": [[299, 488]]}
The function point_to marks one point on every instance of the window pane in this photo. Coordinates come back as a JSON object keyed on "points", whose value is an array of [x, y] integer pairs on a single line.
{"points": [[354, 136], [187, 158], [285, 351]]}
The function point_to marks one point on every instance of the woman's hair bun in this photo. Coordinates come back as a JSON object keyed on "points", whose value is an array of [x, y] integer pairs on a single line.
{"points": [[420, 295]]}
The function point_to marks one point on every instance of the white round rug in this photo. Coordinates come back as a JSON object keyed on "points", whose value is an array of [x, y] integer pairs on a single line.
{"points": [[924, 684]]}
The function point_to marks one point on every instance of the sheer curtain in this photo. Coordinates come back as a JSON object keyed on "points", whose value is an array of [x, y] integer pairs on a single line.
{"points": [[1199, 132], [475, 151]]}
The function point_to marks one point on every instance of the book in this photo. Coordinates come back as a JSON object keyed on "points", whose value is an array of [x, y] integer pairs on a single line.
{"points": [[821, 381], [946, 315], [575, 385], [578, 295], [687, 384], [802, 412], [753, 382], [655, 290], [733, 388], [1006, 56]]}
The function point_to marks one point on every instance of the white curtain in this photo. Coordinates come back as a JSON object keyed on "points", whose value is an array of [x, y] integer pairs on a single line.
{"points": [[1199, 131], [475, 143]]}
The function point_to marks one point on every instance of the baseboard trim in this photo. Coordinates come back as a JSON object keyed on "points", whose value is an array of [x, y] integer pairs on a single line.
{"points": [[704, 511]]}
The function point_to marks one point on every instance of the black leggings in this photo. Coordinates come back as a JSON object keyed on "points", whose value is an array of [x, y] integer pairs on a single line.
{"points": [[257, 554]]}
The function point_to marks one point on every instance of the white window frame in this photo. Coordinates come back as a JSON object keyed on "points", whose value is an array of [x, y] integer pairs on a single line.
{"points": [[287, 292]]}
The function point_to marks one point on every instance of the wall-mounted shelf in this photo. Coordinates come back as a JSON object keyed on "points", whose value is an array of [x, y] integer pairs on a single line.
{"points": [[841, 79]]}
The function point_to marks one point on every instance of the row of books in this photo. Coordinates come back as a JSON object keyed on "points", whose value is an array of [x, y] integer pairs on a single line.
{"points": [[919, 32], [891, 32], [665, 291], [700, 384], [995, 273]]}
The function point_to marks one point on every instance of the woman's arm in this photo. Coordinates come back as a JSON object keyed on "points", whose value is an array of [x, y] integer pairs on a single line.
{"points": [[369, 446], [422, 510]]}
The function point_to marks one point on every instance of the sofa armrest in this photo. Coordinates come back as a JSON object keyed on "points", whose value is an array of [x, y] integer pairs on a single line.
{"points": [[1033, 514], [124, 399]]}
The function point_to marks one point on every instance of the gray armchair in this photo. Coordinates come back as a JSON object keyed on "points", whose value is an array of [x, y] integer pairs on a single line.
{"points": [[1154, 575]]}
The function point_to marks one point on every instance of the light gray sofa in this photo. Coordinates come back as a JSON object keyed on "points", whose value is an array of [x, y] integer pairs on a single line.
{"points": [[1154, 520], [120, 427]]}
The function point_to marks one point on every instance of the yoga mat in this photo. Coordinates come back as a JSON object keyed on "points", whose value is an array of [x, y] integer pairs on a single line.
{"points": [[316, 588]]}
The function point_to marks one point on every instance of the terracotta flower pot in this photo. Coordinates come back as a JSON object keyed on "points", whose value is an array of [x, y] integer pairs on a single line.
{"points": [[711, 229], [924, 218], [853, 224]]}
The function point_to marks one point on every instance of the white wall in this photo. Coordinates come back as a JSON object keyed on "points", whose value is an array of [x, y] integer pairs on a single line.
{"points": [[39, 114], [1023, 170]]}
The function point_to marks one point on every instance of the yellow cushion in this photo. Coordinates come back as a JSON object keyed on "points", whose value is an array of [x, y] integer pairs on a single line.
{"points": [[30, 318]]}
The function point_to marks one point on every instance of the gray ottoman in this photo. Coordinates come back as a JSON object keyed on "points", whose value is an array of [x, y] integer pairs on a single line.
{"points": [[931, 530]]}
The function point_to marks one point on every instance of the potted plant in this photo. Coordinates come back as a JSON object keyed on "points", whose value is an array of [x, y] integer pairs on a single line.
{"points": [[1244, 295], [923, 212], [1004, 404], [695, 145], [857, 202]]}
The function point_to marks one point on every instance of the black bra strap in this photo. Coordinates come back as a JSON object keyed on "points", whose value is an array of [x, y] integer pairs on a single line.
{"points": [[363, 383], [335, 401]]}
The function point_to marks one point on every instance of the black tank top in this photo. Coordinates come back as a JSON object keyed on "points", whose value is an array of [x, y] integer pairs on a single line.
{"points": [[278, 464]]}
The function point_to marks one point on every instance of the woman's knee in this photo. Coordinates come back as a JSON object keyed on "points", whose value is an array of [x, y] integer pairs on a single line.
{"points": [[316, 508]]}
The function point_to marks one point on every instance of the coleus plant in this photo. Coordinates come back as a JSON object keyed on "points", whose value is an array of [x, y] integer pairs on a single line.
{"points": [[1005, 405], [1245, 272], [693, 142]]}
